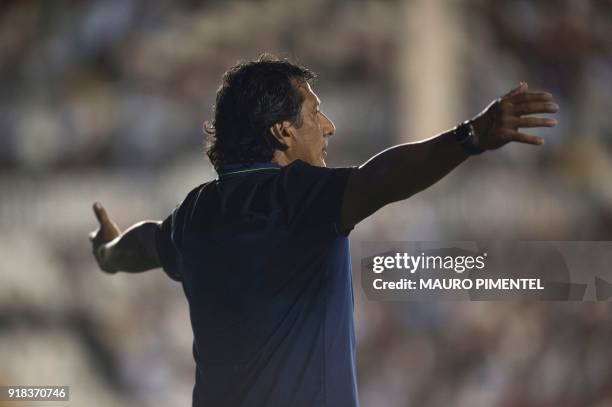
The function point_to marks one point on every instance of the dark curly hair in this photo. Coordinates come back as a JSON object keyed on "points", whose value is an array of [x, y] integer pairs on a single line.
{"points": [[252, 97]]}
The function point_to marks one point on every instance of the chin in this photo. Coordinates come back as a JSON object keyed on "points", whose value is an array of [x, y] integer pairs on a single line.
{"points": [[322, 160], [315, 161]]}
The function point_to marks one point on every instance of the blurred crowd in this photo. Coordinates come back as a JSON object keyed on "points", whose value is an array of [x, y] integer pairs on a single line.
{"points": [[105, 100]]}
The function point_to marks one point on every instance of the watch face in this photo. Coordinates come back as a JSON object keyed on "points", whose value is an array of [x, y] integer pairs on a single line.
{"points": [[470, 129], [464, 133], [465, 137]]}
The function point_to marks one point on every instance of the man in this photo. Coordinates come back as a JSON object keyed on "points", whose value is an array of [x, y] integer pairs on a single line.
{"points": [[262, 251]]}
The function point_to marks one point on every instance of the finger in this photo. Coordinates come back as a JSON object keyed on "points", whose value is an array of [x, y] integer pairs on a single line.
{"points": [[531, 97], [533, 122], [512, 135], [92, 235], [522, 87], [100, 213], [535, 107], [108, 229]]}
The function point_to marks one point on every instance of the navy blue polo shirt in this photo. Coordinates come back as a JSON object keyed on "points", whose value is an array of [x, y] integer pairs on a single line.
{"points": [[267, 274]]}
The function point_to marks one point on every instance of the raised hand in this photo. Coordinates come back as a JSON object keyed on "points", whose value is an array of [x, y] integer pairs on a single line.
{"points": [[500, 122], [106, 232]]}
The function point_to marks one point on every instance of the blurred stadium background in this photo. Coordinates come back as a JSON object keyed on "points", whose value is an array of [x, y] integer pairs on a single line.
{"points": [[105, 100]]}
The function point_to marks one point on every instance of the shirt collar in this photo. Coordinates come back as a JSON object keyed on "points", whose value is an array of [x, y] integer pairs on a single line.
{"points": [[227, 170]]}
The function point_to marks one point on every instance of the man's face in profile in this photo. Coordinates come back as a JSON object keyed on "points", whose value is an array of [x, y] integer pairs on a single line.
{"points": [[309, 141]]}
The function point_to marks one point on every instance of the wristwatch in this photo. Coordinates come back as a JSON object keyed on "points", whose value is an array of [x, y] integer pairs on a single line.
{"points": [[464, 134]]}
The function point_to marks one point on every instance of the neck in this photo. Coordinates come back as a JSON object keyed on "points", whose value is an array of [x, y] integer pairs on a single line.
{"points": [[281, 158]]}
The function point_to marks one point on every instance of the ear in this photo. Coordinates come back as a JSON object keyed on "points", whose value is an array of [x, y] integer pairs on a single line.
{"points": [[282, 133]]}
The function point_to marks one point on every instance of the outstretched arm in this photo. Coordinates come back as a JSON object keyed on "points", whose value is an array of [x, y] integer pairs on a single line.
{"points": [[403, 170], [133, 250]]}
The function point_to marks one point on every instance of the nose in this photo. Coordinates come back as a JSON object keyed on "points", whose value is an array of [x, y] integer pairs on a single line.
{"points": [[328, 126]]}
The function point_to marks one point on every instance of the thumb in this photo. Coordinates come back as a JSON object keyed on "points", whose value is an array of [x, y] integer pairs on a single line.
{"points": [[522, 87], [109, 229], [100, 213]]}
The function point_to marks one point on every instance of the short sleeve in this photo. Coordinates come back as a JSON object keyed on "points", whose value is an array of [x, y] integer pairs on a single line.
{"points": [[313, 195], [166, 249]]}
